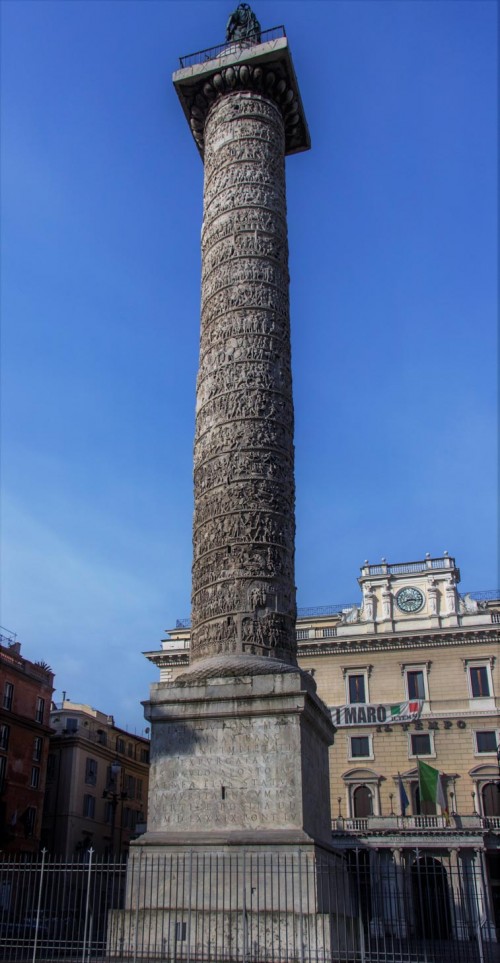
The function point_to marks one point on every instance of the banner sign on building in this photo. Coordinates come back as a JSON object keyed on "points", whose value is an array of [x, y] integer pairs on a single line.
{"points": [[361, 714]]}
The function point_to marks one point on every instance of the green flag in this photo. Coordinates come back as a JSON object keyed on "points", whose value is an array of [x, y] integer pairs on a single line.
{"points": [[431, 787]]}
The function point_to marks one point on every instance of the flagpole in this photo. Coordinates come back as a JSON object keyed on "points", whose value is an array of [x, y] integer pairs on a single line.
{"points": [[419, 787]]}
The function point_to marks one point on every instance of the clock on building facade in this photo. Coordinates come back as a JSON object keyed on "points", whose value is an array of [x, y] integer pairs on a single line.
{"points": [[410, 599]]}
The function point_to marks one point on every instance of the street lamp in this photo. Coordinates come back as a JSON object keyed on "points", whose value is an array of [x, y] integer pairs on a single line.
{"points": [[115, 795]]}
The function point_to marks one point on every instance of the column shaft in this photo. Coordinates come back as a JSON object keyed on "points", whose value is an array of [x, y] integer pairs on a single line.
{"points": [[243, 599]]}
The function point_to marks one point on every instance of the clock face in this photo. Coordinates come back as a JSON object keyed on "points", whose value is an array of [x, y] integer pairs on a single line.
{"points": [[410, 600]]}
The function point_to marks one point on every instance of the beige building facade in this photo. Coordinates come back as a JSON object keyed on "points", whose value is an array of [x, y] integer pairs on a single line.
{"points": [[97, 783], [410, 673]]}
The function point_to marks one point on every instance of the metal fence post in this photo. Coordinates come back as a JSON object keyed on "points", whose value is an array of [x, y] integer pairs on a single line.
{"points": [[39, 903], [244, 909], [136, 934], [87, 904]]}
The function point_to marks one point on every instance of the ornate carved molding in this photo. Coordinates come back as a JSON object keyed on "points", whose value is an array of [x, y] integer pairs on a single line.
{"points": [[269, 81]]}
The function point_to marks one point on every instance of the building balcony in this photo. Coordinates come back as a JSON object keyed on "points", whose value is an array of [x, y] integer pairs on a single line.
{"points": [[415, 825]]}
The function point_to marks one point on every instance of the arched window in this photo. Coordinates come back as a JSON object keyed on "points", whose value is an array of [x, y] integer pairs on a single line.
{"points": [[426, 808], [491, 799], [362, 802]]}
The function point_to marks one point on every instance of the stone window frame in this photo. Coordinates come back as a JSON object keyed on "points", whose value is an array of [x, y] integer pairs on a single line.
{"points": [[40, 709], [88, 806], [30, 821], [4, 736], [354, 778], [8, 696], [91, 769], [488, 663], [350, 670], [427, 755], [425, 668], [365, 735], [488, 752], [481, 776]]}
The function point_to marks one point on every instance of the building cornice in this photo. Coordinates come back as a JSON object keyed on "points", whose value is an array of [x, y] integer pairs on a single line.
{"points": [[397, 643]]}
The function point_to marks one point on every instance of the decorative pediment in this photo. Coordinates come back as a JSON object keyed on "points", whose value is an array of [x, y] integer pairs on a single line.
{"points": [[487, 771], [361, 775]]}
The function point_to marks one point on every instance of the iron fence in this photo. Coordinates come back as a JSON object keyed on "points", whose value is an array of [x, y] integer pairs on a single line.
{"points": [[230, 47], [361, 906]]}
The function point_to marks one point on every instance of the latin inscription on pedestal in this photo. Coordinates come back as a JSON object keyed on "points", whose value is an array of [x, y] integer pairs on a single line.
{"points": [[235, 773]]}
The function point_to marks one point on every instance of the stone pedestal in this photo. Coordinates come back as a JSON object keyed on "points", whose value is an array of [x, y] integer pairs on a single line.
{"points": [[238, 755], [236, 863]]}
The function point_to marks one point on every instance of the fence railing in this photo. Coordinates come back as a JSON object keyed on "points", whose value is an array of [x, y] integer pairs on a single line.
{"points": [[421, 824], [354, 906], [230, 47]]}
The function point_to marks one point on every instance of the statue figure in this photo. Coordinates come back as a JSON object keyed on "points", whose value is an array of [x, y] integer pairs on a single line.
{"points": [[467, 605], [243, 25], [348, 616]]}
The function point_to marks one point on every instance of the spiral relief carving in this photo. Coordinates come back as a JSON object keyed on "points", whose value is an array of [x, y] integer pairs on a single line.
{"points": [[243, 534]]}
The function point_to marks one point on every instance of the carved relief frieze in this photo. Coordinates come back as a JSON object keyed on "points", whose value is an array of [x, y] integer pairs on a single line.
{"points": [[243, 533], [243, 219], [249, 527], [261, 348], [249, 433]]}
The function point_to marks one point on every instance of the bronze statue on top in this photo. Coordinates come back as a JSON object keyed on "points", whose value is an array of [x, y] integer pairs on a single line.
{"points": [[243, 25]]}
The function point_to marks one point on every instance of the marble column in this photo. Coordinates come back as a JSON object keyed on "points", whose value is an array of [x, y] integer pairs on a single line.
{"points": [[243, 593]]}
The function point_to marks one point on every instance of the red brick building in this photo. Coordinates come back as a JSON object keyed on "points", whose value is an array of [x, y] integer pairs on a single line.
{"points": [[25, 700]]}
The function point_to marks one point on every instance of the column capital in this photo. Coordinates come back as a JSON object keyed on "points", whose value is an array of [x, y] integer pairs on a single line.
{"points": [[264, 69]]}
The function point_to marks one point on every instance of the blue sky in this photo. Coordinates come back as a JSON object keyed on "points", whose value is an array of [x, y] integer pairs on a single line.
{"points": [[393, 233]]}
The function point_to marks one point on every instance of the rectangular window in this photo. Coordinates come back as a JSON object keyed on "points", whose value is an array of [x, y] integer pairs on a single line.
{"points": [[479, 681], [108, 812], [421, 744], [35, 777], [91, 771], [29, 820], [130, 787], [71, 725], [3, 770], [120, 745], [51, 767], [416, 684], [138, 789], [360, 747], [486, 741], [101, 737], [40, 709], [37, 748], [356, 688], [4, 737], [89, 806], [144, 755], [130, 750], [8, 695]]}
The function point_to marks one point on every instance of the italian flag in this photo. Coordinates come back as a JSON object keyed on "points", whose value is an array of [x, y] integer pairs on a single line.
{"points": [[405, 709], [431, 787]]}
